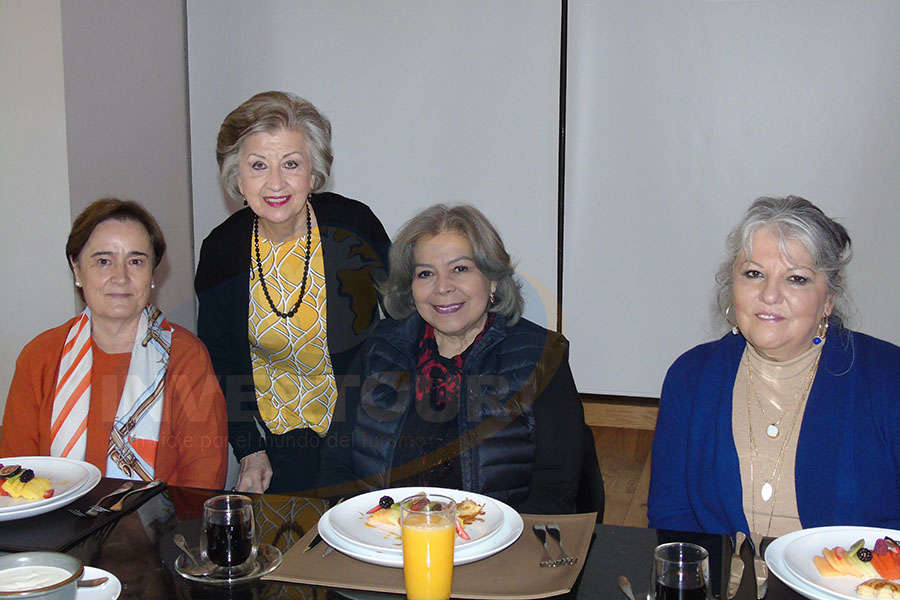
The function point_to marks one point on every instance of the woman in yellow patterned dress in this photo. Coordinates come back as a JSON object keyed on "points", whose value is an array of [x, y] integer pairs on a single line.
{"points": [[286, 288]]}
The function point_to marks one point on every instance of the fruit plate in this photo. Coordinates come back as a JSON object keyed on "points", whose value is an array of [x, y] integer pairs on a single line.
{"points": [[71, 479], [350, 519], [391, 554], [790, 557]]}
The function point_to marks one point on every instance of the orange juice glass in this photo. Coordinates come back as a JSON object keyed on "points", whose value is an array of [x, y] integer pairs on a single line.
{"points": [[428, 527]]}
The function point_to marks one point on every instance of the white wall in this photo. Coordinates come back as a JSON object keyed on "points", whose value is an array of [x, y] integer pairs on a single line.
{"points": [[680, 114], [37, 289], [430, 102], [126, 99]]}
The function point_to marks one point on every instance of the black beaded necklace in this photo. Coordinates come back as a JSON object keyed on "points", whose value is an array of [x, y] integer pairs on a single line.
{"points": [[262, 279]]}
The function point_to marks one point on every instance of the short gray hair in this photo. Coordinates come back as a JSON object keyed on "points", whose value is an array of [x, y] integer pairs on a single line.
{"points": [[269, 112], [792, 218], [488, 251]]}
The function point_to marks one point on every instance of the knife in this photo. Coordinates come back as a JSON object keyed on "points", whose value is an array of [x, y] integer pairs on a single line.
{"points": [[313, 543]]}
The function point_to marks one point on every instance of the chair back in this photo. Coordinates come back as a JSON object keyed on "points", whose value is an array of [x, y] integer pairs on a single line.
{"points": [[591, 495]]}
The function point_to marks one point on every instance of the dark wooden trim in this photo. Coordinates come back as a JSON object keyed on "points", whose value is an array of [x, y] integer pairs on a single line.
{"points": [[561, 166]]}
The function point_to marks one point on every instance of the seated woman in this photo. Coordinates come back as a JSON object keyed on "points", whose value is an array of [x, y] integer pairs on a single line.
{"points": [[462, 392], [791, 420], [118, 385]]}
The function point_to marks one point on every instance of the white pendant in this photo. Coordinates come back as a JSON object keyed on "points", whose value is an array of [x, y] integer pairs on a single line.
{"points": [[766, 492], [772, 431]]}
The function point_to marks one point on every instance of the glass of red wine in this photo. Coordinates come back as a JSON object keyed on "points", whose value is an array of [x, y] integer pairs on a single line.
{"points": [[229, 535], [680, 572]]}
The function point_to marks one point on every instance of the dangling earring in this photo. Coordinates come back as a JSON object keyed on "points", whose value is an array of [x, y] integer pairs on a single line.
{"points": [[491, 298], [734, 328], [77, 284], [821, 331], [152, 285]]}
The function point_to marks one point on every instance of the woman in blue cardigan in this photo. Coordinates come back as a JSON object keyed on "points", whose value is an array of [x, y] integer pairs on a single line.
{"points": [[790, 420]]}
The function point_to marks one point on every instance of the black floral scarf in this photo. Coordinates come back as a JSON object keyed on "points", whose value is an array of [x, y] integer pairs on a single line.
{"points": [[439, 379]]}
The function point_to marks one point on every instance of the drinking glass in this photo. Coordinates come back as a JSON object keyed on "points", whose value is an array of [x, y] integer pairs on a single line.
{"points": [[229, 534], [680, 572], [428, 529]]}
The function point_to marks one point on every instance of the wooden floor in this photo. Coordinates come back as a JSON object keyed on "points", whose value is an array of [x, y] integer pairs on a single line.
{"points": [[624, 456]]}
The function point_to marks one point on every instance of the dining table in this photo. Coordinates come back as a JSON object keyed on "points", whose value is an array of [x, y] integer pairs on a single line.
{"points": [[137, 546]]}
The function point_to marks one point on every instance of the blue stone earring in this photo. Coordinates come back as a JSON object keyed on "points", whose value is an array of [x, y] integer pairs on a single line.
{"points": [[822, 330]]}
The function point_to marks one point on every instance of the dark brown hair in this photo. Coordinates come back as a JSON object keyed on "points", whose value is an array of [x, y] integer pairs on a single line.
{"points": [[113, 208]]}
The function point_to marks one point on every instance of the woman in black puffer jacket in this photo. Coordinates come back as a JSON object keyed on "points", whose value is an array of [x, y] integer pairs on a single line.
{"points": [[461, 392]]}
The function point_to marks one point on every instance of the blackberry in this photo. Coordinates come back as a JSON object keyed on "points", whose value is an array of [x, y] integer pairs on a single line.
{"points": [[386, 502], [26, 476], [864, 554]]}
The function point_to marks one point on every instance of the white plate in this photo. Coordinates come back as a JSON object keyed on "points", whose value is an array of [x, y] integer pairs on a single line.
{"points": [[349, 519], [508, 532], [108, 591], [71, 479], [790, 558]]}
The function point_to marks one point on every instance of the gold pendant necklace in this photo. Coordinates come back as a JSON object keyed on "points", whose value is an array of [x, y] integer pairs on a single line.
{"points": [[767, 490]]}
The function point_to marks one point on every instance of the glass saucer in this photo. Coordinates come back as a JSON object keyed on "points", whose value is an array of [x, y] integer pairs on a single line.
{"points": [[268, 557]]}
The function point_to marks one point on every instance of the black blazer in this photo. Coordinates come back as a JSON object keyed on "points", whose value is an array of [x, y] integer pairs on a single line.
{"points": [[355, 247]]}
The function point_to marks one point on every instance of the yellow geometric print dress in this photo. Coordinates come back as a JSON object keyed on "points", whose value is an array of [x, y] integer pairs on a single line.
{"points": [[292, 373]]}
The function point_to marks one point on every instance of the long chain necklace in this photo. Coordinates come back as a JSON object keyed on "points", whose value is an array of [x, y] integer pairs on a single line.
{"points": [[768, 487], [773, 429], [259, 268]]}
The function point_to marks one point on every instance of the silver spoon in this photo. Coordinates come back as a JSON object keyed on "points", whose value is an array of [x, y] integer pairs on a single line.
{"points": [[89, 583], [625, 586], [183, 546]]}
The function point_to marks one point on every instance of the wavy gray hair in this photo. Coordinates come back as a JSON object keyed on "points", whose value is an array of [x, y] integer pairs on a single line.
{"points": [[793, 218], [488, 251], [269, 112]]}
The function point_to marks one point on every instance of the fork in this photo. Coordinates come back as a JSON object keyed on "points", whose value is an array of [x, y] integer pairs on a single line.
{"points": [[118, 505], [96, 509], [564, 559], [541, 532]]}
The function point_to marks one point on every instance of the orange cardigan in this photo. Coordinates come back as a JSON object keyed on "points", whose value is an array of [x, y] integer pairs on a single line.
{"points": [[192, 448]]}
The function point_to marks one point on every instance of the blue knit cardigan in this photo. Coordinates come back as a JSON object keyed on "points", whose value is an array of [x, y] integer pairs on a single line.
{"points": [[847, 470]]}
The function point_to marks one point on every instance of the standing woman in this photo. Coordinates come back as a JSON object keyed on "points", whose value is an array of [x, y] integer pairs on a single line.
{"points": [[119, 386], [286, 288]]}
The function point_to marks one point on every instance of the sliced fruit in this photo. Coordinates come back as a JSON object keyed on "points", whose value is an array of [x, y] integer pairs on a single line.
{"points": [[460, 531], [13, 487], [883, 561], [825, 567], [36, 488], [844, 563], [853, 556], [9, 470]]}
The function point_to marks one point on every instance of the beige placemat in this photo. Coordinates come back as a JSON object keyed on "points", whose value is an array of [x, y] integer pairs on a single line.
{"points": [[513, 573]]}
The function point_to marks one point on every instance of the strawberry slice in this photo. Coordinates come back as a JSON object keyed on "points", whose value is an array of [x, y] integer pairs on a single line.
{"points": [[49, 493], [460, 531]]}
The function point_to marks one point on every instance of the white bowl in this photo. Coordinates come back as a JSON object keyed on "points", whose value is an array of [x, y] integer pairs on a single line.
{"points": [[63, 590]]}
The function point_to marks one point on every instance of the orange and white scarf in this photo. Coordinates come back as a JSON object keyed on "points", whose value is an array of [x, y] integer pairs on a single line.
{"points": [[135, 434]]}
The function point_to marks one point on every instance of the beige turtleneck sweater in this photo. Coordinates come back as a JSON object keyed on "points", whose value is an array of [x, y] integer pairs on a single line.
{"points": [[765, 393]]}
